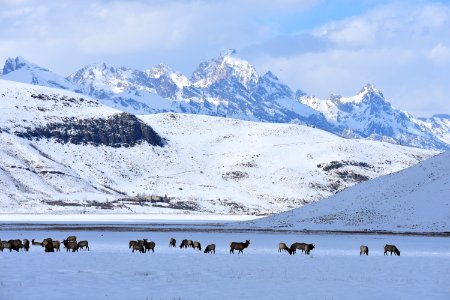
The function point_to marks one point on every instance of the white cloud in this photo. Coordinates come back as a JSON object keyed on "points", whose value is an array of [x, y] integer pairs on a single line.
{"points": [[390, 46], [440, 54]]}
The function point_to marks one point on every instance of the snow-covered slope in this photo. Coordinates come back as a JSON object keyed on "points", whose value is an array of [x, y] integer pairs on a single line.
{"points": [[415, 199], [368, 115], [20, 70], [62, 152], [439, 125]]}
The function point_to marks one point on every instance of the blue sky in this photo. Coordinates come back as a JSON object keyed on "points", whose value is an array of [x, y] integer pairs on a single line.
{"points": [[321, 47]]}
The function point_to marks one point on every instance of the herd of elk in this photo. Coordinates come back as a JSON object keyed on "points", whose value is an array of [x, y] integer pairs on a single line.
{"points": [[143, 246], [49, 244]]}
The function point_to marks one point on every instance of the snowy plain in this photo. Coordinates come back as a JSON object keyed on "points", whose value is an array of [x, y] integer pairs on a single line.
{"points": [[334, 270]]}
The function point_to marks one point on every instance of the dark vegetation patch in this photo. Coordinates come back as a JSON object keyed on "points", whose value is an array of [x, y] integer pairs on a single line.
{"points": [[334, 165], [235, 175]]}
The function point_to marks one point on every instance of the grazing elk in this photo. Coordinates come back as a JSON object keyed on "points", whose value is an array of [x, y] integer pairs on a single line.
{"points": [[5, 245], [184, 244], [46, 241], [131, 243], [48, 245], [70, 245], [138, 247], [197, 245], [56, 245], [283, 247], [15, 245], [26, 245], [239, 246], [83, 245], [210, 249], [190, 243], [172, 242], [306, 248], [363, 250], [149, 245], [391, 248]]}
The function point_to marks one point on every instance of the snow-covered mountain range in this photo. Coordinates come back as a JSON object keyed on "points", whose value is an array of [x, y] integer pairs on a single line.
{"points": [[412, 200], [230, 86], [62, 151]]}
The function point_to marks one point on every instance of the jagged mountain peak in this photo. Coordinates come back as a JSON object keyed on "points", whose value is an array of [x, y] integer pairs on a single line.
{"points": [[228, 66], [14, 64]]}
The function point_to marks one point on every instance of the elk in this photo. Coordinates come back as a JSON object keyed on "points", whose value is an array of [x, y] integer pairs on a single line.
{"points": [[15, 245], [197, 245], [5, 245], [184, 244], [306, 248], [138, 247], [210, 248], [283, 247], [363, 250], [26, 245], [131, 243], [172, 242], [239, 246], [149, 245], [391, 248], [48, 245], [70, 245], [83, 245], [56, 245], [71, 238]]}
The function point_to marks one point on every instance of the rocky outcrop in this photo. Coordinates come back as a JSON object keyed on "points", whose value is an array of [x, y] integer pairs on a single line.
{"points": [[119, 130]]}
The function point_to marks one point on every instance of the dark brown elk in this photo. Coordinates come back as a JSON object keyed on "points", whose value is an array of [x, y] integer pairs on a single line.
{"points": [[71, 238], [197, 245], [210, 249], [57, 245], [46, 241], [172, 242], [363, 250], [138, 247], [70, 245], [190, 244], [149, 245], [306, 248], [239, 246], [391, 248], [5, 245], [48, 245], [16, 245], [131, 243], [184, 244], [36, 243], [26, 245], [83, 245]]}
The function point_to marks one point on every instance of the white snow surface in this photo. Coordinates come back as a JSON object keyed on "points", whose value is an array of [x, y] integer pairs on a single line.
{"points": [[412, 200], [212, 164], [334, 270]]}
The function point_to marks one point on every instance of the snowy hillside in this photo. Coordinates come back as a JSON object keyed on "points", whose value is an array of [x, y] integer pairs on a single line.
{"points": [[21, 70], [230, 86], [63, 152], [415, 199]]}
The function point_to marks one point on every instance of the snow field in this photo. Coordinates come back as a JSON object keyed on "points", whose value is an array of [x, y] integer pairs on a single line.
{"points": [[334, 270]]}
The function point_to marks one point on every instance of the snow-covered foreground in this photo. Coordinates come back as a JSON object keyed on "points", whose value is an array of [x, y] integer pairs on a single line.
{"points": [[334, 270]]}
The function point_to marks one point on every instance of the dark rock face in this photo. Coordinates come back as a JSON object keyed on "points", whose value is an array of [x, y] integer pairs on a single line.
{"points": [[119, 130]]}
